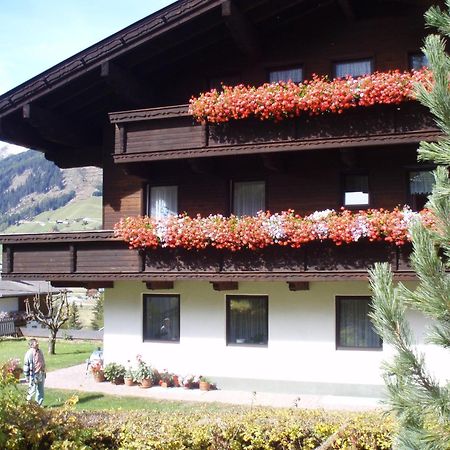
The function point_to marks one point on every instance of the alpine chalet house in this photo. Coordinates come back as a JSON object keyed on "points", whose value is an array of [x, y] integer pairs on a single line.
{"points": [[266, 205]]}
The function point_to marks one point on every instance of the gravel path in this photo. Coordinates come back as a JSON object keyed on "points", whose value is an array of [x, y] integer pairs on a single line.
{"points": [[75, 379]]}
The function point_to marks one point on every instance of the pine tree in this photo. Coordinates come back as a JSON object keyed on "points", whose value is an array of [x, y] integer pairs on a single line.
{"points": [[97, 320], [420, 402], [74, 317]]}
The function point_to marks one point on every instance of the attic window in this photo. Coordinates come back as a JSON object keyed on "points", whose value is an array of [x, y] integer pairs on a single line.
{"points": [[294, 74], [354, 68]]}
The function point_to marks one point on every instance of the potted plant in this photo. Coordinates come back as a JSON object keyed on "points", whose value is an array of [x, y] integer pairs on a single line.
{"points": [[130, 376], [144, 374], [166, 379], [190, 381], [114, 373], [205, 384], [96, 368]]}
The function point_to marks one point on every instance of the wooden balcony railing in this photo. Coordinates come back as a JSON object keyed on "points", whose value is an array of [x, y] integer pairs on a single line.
{"points": [[171, 133], [89, 257]]}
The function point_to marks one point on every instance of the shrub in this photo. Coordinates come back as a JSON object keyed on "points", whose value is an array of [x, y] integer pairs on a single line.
{"points": [[114, 371]]}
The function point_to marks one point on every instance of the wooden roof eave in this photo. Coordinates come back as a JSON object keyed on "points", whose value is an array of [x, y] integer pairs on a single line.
{"points": [[108, 49]]}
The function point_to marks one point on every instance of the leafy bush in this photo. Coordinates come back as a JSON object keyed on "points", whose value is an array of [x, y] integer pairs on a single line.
{"points": [[114, 371], [28, 426]]}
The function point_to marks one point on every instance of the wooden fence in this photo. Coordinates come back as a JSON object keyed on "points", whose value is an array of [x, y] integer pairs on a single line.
{"points": [[7, 327]]}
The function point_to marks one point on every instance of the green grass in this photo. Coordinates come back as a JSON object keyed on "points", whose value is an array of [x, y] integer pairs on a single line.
{"points": [[74, 212], [95, 401], [68, 353]]}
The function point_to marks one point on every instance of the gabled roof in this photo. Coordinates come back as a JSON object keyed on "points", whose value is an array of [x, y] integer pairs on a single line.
{"points": [[21, 288], [63, 111]]}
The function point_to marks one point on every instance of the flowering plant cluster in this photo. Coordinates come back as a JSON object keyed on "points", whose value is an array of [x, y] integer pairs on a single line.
{"points": [[12, 365], [190, 381], [265, 229], [96, 366], [283, 100]]}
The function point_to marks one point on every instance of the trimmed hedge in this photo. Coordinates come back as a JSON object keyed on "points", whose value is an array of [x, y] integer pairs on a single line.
{"points": [[28, 426]]}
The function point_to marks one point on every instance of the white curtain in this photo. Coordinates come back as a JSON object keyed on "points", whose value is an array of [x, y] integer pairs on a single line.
{"points": [[353, 68], [418, 61], [355, 327], [249, 197], [247, 320], [163, 201], [421, 182], [294, 74]]}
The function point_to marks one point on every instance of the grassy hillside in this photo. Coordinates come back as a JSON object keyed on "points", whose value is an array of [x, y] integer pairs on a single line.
{"points": [[76, 216]]}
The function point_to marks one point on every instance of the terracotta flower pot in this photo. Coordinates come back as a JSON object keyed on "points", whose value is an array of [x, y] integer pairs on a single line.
{"points": [[164, 384], [99, 377], [176, 381], [118, 380], [204, 386], [129, 382], [146, 383]]}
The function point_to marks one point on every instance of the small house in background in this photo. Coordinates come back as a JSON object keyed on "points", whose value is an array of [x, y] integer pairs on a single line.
{"points": [[267, 301], [12, 301]]}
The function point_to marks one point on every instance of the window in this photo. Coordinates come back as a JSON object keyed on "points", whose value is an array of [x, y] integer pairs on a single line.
{"points": [[294, 74], [356, 190], [353, 326], [249, 197], [247, 319], [161, 317], [420, 187], [417, 61], [162, 201], [355, 68]]}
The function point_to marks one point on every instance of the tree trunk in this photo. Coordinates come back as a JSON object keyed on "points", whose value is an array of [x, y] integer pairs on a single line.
{"points": [[52, 342]]}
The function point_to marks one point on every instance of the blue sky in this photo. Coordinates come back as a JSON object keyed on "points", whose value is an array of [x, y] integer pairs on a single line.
{"points": [[37, 34]]}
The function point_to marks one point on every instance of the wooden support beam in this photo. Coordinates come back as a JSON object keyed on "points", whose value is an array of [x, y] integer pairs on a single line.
{"points": [[68, 158], [125, 85], [242, 31], [225, 285], [157, 285], [347, 9], [73, 258], [298, 285], [9, 259], [84, 284], [55, 128]]}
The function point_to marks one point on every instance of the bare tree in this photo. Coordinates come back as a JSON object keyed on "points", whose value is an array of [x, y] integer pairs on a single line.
{"points": [[53, 313]]}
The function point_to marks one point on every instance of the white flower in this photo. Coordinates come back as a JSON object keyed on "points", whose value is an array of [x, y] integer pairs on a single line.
{"points": [[319, 215]]}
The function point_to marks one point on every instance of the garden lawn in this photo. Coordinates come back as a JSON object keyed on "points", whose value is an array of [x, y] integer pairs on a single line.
{"points": [[68, 353], [96, 401]]}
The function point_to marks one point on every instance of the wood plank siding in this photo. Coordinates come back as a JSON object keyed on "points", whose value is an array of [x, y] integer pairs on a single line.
{"points": [[87, 257], [144, 136], [304, 181]]}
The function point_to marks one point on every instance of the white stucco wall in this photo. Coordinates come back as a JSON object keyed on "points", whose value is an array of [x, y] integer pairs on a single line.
{"points": [[9, 304], [301, 345]]}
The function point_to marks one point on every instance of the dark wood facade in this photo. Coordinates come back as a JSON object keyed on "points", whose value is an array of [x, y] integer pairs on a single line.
{"points": [[183, 50]]}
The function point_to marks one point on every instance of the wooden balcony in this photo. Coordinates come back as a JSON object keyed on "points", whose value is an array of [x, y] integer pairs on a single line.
{"points": [[97, 258], [171, 133]]}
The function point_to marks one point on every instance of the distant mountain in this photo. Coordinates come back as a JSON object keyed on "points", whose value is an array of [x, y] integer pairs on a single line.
{"points": [[30, 186], [9, 149]]}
